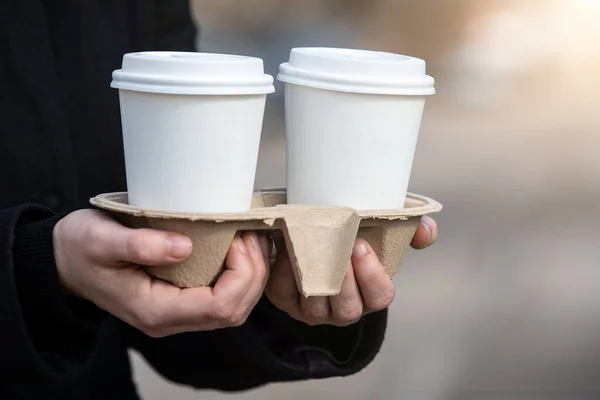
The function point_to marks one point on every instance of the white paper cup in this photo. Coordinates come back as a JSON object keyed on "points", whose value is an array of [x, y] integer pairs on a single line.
{"points": [[352, 123], [191, 129]]}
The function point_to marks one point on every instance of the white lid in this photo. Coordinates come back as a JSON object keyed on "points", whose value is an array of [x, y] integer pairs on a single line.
{"points": [[357, 71], [192, 73]]}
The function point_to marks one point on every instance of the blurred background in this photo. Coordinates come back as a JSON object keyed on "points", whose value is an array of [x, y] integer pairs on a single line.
{"points": [[507, 304]]}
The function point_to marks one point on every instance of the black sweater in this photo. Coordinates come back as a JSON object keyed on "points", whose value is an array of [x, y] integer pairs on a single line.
{"points": [[60, 144]]}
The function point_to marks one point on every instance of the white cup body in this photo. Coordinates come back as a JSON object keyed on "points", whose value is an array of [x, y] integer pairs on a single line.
{"points": [[352, 124], [350, 149], [191, 153], [191, 129]]}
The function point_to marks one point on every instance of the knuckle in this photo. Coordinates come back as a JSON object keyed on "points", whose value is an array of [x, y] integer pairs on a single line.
{"points": [[343, 324], [225, 315], [311, 323], [94, 236], [349, 315], [136, 247], [149, 322], [95, 231], [155, 333], [316, 314], [381, 300], [237, 320]]}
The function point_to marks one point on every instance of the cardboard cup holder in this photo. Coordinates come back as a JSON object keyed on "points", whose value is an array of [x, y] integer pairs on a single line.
{"points": [[318, 240]]}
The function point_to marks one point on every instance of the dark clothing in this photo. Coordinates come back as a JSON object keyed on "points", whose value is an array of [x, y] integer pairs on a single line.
{"points": [[60, 144]]}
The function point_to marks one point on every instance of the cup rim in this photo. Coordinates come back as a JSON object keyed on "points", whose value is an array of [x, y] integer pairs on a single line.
{"points": [[192, 73], [357, 71]]}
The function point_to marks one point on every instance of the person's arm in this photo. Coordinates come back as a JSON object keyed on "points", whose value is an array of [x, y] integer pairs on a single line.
{"points": [[45, 334], [52, 267], [269, 347]]}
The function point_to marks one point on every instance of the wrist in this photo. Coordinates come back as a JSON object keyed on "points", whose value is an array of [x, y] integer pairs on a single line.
{"points": [[41, 279], [58, 245]]}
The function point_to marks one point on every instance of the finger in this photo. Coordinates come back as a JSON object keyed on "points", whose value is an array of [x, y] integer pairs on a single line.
{"points": [[235, 282], [426, 233], [166, 310], [162, 309], [430, 222], [112, 242], [266, 246], [347, 307], [156, 307], [281, 289], [373, 281], [316, 310], [258, 249]]}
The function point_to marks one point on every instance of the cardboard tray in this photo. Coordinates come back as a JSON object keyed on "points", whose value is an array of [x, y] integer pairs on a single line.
{"points": [[318, 240]]}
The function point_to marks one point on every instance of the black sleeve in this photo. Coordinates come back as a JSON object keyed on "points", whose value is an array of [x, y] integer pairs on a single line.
{"points": [[173, 26], [43, 335], [269, 347]]}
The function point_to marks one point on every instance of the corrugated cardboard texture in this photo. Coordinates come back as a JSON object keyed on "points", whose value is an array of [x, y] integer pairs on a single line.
{"points": [[318, 240]]}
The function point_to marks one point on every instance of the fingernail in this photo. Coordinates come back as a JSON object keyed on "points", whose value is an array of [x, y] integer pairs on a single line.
{"points": [[179, 247], [427, 228], [360, 248], [241, 245]]}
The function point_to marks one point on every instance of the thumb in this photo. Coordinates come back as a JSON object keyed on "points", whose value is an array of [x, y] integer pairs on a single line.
{"points": [[142, 246]]}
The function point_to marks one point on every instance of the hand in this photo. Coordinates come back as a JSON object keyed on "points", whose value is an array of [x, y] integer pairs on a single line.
{"points": [[98, 259], [366, 287]]}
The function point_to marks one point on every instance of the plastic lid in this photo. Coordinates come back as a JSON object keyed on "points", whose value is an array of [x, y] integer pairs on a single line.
{"points": [[358, 71], [192, 73]]}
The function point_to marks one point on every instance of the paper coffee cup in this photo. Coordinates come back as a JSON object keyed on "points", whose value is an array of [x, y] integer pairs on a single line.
{"points": [[352, 123], [191, 129]]}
